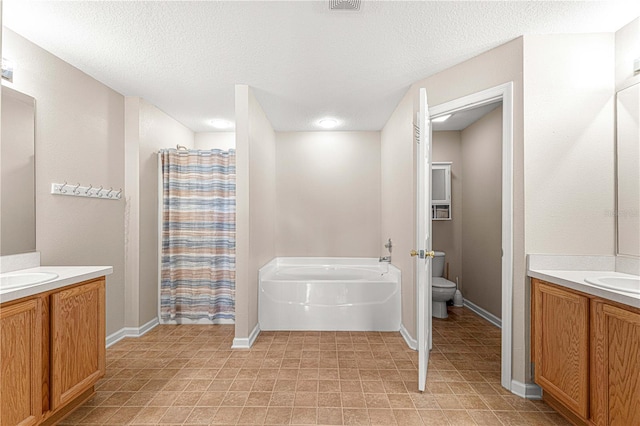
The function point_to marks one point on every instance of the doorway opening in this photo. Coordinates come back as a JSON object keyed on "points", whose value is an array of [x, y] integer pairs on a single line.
{"points": [[487, 101]]}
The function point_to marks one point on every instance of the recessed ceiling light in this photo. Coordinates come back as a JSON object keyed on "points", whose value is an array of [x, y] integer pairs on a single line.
{"points": [[328, 123], [441, 119], [221, 123]]}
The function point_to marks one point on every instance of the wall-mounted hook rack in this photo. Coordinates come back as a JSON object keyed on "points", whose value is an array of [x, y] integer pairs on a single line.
{"points": [[86, 191]]}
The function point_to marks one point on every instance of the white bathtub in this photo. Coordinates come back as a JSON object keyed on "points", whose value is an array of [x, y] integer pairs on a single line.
{"points": [[319, 293]]}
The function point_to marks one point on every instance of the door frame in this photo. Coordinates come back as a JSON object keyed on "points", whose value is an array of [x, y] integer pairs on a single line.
{"points": [[502, 92]]}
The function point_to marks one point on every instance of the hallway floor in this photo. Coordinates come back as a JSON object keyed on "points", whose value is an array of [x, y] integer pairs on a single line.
{"points": [[188, 375]]}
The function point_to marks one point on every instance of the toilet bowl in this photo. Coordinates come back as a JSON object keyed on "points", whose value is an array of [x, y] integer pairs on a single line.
{"points": [[442, 290]]}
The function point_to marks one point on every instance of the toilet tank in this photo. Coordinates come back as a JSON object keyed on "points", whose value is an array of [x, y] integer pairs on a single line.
{"points": [[437, 269]]}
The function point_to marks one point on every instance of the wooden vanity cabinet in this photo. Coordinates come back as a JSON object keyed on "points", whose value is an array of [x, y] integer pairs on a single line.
{"points": [[52, 352], [20, 358], [562, 346], [586, 352]]}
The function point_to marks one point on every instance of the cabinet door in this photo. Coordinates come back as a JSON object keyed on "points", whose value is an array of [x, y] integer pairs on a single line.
{"points": [[562, 346], [616, 365], [20, 356], [77, 340]]}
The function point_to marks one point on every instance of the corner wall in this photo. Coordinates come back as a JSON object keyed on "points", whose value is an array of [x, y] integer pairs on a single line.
{"points": [[255, 207]]}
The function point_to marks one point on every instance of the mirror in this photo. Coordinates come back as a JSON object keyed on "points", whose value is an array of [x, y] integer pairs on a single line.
{"points": [[17, 164], [628, 179]]}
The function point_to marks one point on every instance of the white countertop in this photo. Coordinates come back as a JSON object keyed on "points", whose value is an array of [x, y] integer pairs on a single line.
{"points": [[576, 280], [67, 275]]}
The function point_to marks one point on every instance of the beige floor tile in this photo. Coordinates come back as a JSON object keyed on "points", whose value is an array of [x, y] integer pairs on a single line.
{"points": [[329, 399], [329, 416], [434, 417], [382, 417], [304, 416], [252, 416], [227, 415], [278, 416], [124, 415], [150, 415], [202, 415], [459, 417], [407, 417], [400, 401], [355, 416]]}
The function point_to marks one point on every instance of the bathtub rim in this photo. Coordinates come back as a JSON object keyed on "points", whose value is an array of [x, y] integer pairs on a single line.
{"points": [[325, 261]]}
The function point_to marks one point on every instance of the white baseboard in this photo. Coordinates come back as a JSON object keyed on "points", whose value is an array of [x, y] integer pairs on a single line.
{"points": [[483, 313], [246, 342], [201, 321], [526, 390], [130, 332], [411, 342]]}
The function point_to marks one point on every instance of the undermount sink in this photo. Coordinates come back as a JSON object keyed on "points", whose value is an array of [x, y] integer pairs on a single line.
{"points": [[25, 279], [626, 284]]}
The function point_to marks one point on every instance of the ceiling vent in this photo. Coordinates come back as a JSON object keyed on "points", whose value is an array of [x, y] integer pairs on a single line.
{"points": [[344, 4]]}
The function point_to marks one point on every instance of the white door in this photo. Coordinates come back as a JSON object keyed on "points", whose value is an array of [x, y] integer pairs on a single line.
{"points": [[423, 253]]}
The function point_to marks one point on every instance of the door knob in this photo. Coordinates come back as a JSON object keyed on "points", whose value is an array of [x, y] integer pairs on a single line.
{"points": [[422, 254]]}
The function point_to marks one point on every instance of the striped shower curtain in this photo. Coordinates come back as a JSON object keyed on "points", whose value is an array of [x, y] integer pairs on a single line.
{"points": [[198, 236]]}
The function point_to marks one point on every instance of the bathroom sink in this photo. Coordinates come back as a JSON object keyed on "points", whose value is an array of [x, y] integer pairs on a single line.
{"points": [[25, 279], [626, 284]]}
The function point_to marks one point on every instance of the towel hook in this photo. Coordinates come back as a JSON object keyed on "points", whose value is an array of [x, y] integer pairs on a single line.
{"points": [[118, 194], [75, 190], [61, 189], [99, 192], [109, 193], [88, 189]]}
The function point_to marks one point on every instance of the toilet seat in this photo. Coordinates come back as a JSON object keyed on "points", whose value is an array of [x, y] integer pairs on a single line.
{"points": [[442, 283]]}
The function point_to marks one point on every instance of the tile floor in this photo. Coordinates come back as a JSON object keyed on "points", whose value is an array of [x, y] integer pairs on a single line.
{"points": [[188, 375]]}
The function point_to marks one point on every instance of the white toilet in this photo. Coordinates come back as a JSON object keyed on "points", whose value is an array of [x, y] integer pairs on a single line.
{"points": [[442, 289]]}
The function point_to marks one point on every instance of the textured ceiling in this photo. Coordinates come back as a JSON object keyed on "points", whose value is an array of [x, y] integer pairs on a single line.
{"points": [[304, 61]]}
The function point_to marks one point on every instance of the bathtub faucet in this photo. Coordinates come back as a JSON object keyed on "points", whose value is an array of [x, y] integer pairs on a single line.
{"points": [[385, 259]]}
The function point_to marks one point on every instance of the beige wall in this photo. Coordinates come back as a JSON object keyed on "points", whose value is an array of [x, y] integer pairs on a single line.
{"points": [[497, 66], [215, 140], [627, 49], [447, 234], [328, 194], [397, 193], [255, 204], [79, 138], [569, 145], [482, 212]]}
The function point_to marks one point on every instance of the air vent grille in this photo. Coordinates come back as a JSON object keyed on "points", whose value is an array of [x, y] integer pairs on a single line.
{"points": [[344, 4]]}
